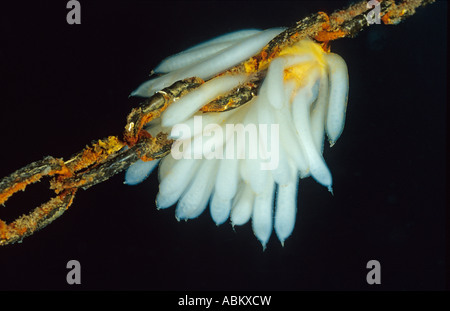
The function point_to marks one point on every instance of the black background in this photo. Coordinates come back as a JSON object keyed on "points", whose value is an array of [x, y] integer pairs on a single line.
{"points": [[65, 85]]}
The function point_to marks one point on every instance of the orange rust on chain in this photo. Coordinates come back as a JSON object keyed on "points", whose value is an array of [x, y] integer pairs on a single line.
{"points": [[41, 216], [132, 140], [47, 212], [95, 153], [295, 36], [7, 193], [327, 33], [264, 56], [90, 156], [224, 107], [337, 19], [385, 18], [155, 144], [154, 106], [251, 65], [326, 24], [141, 135], [326, 36], [262, 60], [233, 99], [397, 11], [146, 159], [326, 46], [55, 184]]}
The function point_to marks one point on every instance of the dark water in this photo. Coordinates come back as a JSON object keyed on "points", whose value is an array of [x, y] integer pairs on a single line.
{"points": [[65, 85]]}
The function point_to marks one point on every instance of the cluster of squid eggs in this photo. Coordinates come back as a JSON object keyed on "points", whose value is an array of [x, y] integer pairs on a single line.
{"points": [[304, 94]]}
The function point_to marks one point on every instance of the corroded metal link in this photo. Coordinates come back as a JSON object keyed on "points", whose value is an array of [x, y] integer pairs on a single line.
{"points": [[234, 99], [149, 148], [66, 183], [40, 217], [29, 174], [97, 152], [153, 106], [307, 27]]}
